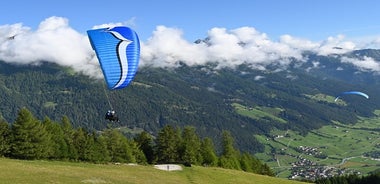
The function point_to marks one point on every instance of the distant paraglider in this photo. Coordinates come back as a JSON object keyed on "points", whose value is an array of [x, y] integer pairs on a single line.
{"points": [[352, 93], [118, 52]]}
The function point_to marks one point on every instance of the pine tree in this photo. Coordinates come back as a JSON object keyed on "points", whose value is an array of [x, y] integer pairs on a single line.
{"points": [[167, 143], [145, 143], [68, 133], [100, 153], [190, 147], [208, 153], [230, 156], [246, 162], [266, 170], [58, 147], [138, 154], [81, 144], [118, 147], [29, 137], [90, 147], [257, 166], [4, 138], [126, 151]]}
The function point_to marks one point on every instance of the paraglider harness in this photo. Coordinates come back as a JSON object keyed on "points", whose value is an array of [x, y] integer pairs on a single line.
{"points": [[111, 116]]}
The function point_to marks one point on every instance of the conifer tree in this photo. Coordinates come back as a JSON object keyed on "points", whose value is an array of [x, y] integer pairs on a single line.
{"points": [[118, 147], [126, 151], [4, 138], [58, 147], [90, 147], [230, 156], [167, 143], [208, 153], [190, 147], [29, 137], [138, 154], [246, 162], [266, 170], [101, 153], [68, 133], [81, 144], [145, 143]]}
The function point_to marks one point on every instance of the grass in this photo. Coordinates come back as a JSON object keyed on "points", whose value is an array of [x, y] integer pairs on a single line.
{"points": [[337, 141], [259, 112], [21, 171], [326, 98]]}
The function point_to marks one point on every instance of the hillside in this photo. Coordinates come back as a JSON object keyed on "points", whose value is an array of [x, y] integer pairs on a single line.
{"points": [[252, 104], [200, 96], [18, 171]]}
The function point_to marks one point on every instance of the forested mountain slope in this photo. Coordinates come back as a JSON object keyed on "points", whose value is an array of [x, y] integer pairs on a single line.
{"points": [[299, 97]]}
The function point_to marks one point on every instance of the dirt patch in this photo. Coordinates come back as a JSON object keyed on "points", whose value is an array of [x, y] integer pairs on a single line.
{"points": [[168, 167]]}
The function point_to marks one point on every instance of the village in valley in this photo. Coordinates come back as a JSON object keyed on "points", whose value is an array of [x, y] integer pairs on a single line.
{"points": [[305, 162], [309, 170]]}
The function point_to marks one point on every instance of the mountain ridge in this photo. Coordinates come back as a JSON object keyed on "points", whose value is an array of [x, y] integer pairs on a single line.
{"points": [[200, 96]]}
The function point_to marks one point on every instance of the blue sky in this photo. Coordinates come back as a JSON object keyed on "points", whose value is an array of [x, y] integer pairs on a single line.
{"points": [[273, 30], [310, 19]]}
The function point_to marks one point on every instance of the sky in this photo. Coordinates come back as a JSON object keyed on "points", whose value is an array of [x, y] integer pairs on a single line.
{"points": [[55, 31]]}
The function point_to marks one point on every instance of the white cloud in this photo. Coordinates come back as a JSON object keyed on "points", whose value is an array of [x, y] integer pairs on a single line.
{"points": [[315, 65], [55, 41], [335, 45], [365, 63], [129, 23], [167, 47]]}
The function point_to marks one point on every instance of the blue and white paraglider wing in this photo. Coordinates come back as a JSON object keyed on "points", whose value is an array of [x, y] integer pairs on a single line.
{"points": [[352, 93], [118, 52]]}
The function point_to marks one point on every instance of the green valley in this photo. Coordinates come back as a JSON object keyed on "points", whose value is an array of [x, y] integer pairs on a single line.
{"points": [[337, 148]]}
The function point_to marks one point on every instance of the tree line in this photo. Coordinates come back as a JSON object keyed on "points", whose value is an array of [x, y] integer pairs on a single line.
{"points": [[372, 178], [30, 138]]}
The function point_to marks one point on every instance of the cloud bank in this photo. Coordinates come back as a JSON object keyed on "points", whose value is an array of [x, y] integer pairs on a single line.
{"points": [[55, 41]]}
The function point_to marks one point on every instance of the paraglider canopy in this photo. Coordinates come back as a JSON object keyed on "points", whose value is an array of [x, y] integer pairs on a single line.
{"points": [[352, 93], [118, 52]]}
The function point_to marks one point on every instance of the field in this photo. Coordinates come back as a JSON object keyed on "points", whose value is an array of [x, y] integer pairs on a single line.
{"points": [[352, 148], [21, 171], [259, 112], [337, 145]]}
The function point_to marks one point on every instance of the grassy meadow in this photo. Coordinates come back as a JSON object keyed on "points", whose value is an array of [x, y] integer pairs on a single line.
{"points": [[21, 171], [344, 145], [259, 112]]}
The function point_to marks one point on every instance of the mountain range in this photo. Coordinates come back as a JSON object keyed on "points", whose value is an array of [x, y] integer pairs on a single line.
{"points": [[244, 100]]}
